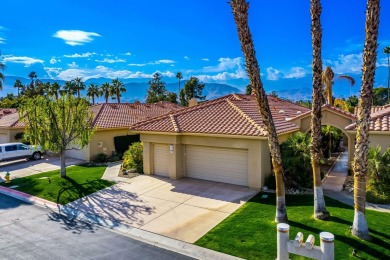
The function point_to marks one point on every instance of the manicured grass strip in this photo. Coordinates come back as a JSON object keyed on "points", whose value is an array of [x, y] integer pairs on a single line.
{"points": [[250, 232], [79, 182]]}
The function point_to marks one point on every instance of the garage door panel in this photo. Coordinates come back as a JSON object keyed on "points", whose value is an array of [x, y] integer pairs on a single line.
{"points": [[217, 164], [161, 159]]}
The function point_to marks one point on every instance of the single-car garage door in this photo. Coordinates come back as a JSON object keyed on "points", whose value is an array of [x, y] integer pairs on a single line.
{"points": [[217, 164], [160, 159]]}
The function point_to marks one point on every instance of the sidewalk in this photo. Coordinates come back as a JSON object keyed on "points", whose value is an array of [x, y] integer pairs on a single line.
{"points": [[335, 179]]}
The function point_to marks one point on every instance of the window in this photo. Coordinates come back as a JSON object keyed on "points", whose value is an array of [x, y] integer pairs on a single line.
{"points": [[22, 147], [10, 148]]}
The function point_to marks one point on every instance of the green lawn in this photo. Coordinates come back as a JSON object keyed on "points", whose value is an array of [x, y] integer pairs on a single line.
{"points": [[80, 181], [250, 232]]}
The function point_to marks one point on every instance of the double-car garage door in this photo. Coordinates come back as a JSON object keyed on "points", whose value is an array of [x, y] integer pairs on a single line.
{"points": [[226, 165]]}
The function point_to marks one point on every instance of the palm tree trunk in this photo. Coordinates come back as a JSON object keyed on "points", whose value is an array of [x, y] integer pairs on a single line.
{"points": [[78, 93], [118, 96], [388, 79], [320, 211], [240, 12], [360, 227], [93, 99]]}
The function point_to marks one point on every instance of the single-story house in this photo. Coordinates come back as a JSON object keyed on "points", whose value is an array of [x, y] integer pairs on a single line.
{"points": [[225, 140], [9, 125], [110, 120]]}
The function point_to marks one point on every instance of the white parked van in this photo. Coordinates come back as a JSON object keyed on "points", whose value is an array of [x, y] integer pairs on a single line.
{"points": [[13, 151]]}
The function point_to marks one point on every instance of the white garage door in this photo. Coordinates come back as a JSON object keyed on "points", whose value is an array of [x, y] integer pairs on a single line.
{"points": [[3, 139], [77, 154], [217, 164], [161, 159]]}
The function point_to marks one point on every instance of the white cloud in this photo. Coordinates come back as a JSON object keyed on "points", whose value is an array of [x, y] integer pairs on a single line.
{"points": [[2, 40], [127, 54], [54, 60], [106, 72], [165, 61], [75, 37], [137, 64], [2, 28], [186, 58], [206, 59], [27, 61], [106, 60], [224, 65], [52, 72], [73, 65], [296, 73], [350, 63], [81, 55], [273, 74]]}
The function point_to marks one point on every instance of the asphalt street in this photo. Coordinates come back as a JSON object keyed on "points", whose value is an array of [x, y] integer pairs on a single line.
{"points": [[31, 232]]}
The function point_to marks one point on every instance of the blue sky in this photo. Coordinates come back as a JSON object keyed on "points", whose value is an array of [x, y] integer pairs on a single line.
{"points": [[64, 39]]}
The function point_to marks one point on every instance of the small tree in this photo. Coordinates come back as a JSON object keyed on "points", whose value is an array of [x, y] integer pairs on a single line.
{"points": [[157, 91], [192, 89], [57, 124]]}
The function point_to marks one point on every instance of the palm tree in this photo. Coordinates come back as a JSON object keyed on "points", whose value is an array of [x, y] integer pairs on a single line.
{"points": [[106, 90], [360, 164], [2, 67], [117, 88], [179, 76], [18, 84], [79, 85], [54, 89], [320, 211], [93, 91], [70, 88], [33, 76], [327, 80], [386, 50], [240, 12]]}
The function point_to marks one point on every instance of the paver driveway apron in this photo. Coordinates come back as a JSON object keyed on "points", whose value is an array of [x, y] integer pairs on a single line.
{"points": [[184, 209]]}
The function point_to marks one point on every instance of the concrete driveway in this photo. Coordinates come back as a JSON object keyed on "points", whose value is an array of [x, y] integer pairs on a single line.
{"points": [[184, 209], [22, 168]]}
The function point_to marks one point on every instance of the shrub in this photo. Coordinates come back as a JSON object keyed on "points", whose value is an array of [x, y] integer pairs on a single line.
{"points": [[296, 159], [379, 175], [101, 158], [133, 158]]}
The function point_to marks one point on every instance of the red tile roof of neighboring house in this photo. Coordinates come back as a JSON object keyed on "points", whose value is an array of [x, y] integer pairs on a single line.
{"points": [[374, 109], [10, 118], [111, 115], [379, 121], [126, 114], [329, 107], [7, 111], [234, 114]]}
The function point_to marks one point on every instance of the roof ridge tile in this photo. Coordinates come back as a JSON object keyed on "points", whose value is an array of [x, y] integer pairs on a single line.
{"points": [[174, 123]]}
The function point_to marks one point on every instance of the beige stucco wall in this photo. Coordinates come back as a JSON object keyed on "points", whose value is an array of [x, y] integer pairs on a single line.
{"points": [[13, 132], [106, 138], [380, 138], [259, 163], [4, 133]]}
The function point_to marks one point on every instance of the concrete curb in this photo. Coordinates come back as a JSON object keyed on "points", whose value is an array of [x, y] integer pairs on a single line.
{"points": [[132, 232]]}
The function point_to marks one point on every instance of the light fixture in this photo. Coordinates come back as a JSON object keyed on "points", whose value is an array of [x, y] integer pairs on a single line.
{"points": [[171, 148]]}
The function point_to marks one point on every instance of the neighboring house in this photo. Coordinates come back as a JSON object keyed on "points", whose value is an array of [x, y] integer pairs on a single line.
{"points": [[109, 120], [224, 139], [221, 140], [9, 125]]}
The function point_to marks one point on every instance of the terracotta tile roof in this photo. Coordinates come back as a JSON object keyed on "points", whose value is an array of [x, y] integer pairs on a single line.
{"points": [[7, 111], [331, 108], [112, 115], [231, 115], [379, 121], [374, 109]]}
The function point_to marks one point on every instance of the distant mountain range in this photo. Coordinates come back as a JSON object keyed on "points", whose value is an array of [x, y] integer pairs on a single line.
{"points": [[287, 88]]}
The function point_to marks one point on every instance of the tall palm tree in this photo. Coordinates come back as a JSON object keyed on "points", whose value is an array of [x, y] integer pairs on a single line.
{"points": [[54, 89], [320, 211], [240, 12], [93, 91], [2, 67], [386, 50], [360, 164], [106, 91], [327, 80], [33, 76], [79, 85], [18, 84], [117, 88], [70, 88], [179, 76]]}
